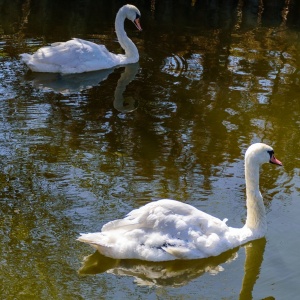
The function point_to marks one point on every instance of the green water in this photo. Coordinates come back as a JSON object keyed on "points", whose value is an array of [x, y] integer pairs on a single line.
{"points": [[77, 152]]}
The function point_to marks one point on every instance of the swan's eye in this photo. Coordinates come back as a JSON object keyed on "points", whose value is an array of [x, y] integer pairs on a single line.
{"points": [[271, 153], [137, 16]]}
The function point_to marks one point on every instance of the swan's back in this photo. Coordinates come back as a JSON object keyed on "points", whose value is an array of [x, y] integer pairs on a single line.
{"points": [[74, 56]]}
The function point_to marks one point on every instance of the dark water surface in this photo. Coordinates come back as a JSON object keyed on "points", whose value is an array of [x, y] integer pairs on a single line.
{"points": [[78, 151]]}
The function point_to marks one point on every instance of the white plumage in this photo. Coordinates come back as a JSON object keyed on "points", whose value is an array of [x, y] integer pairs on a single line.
{"points": [[168, 229], [78, 56]]}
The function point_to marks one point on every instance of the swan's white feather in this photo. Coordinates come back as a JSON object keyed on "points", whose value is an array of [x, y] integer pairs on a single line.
{"points": [[74, 56], [163, 230]]}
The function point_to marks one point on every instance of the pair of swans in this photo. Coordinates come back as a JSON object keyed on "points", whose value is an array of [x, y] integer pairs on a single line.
{"points": [[167, 230], [79, 56]]}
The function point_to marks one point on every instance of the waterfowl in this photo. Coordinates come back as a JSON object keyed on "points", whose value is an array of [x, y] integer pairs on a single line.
{"points": [[168, 229], [78, 56]]}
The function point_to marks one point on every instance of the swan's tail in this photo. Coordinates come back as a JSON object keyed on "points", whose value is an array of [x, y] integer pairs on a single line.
{"points": [[25, 57], [93, 239]]}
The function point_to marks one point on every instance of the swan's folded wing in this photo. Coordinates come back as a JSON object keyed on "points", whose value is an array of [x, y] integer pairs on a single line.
{"points": [[57, 54], [122, 224], [74, 54], [143, 217], [169, 216]]}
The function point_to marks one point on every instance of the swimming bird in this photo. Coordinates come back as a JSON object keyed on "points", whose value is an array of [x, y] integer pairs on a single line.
{"points": [[78, 56], [168, 229]]}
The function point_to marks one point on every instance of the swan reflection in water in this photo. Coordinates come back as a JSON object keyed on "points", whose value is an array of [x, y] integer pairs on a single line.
{"points": [[74, 83], [180, 272]]}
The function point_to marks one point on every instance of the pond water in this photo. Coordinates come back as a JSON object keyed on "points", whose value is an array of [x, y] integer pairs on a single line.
{"points": [[79, 151]]}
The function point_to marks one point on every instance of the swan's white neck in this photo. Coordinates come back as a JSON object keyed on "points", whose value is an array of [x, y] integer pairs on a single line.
{"points": [[131, 51], [256, 214]]}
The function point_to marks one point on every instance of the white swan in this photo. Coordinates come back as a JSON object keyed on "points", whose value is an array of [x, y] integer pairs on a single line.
{"points": [[168, 229], [78, 56]]}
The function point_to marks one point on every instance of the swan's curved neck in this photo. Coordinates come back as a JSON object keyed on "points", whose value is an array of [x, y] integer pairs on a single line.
{"points": [[256, 215], [131, 52]]}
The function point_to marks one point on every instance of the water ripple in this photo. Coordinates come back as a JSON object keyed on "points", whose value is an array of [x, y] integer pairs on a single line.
{"points": [[190, 67]]}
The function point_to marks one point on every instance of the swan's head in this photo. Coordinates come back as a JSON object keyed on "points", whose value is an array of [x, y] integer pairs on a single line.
{"points": [[261, 153], [132, 14]]}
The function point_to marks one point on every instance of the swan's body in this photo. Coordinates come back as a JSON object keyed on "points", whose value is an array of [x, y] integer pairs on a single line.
{"points": [[168, 229], [78, 56]]}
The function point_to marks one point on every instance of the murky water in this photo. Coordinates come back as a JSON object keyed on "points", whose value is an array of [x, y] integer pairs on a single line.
{"points": [[78, 151]]}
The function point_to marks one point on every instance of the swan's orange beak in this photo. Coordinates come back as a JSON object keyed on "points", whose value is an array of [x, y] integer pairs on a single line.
{"points": [[137, 24], [275, 161]]}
